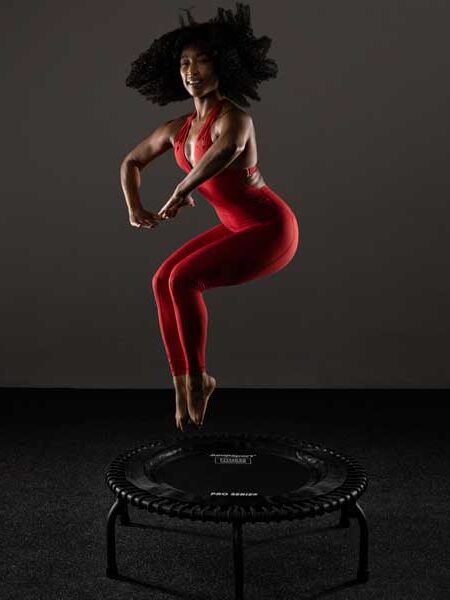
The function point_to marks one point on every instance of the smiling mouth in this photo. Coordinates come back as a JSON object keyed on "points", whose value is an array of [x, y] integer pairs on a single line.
{"points": [[194, 83]]}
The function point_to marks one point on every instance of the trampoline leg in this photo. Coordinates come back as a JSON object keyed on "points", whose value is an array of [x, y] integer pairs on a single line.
{"points": [[238, 562], [357, 512], [111, 565]]}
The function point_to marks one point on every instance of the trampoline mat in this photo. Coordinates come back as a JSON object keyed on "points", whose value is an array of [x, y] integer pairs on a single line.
{"points": [[215, 471]]}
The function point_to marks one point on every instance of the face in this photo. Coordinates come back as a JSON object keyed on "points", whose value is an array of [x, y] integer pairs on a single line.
{"points": [[196, 63]]}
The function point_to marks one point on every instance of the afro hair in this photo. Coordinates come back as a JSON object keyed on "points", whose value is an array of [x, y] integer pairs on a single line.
{"points": [[240, 59]]}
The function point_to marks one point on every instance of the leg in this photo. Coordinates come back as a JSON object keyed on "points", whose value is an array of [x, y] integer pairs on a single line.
{"points": [[163, 297], [124, 515], [251, 253], [356, 512], [238, 562], [111, 565]]}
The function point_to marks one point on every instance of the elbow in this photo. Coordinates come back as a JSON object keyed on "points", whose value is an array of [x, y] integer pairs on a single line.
{"points": [[127, 162], [234, 148]]}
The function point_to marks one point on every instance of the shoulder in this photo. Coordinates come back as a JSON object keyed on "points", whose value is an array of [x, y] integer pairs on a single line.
{"points": [[232, 115], [174, 125], [176, 122], [233, 109]]}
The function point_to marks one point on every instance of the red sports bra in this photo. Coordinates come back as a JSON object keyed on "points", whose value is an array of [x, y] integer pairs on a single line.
{"points": [[236, 202], [203, 141]]}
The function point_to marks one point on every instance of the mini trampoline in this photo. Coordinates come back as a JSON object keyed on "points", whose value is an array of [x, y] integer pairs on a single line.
{"points": [[236, 478]]}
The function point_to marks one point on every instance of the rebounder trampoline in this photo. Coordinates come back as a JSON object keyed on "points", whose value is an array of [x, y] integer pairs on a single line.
{"points": [[236, 478]]}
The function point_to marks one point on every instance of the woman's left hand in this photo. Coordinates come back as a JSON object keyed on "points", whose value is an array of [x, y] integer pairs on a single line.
{"points": [[176, 201]]}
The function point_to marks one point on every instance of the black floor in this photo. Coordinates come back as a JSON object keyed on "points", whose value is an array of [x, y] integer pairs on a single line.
{"points": [[56, 444]]}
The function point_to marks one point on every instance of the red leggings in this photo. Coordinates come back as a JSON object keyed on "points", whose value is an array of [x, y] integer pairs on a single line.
{"points": [[216, 257]]}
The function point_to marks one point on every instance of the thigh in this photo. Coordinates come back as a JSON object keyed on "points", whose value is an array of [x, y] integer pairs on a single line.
{"points": [[204, 239], [240, 256]]}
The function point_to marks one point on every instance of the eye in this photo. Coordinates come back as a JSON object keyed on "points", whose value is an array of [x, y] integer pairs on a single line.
{"points": [[202, 58]]}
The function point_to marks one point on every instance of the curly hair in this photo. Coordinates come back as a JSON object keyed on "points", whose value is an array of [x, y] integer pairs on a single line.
{"points": [[239, 58]]}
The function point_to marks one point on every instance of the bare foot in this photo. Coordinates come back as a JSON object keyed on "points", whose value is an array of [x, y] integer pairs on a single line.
{"points": [[199, 389], [181, 411]]}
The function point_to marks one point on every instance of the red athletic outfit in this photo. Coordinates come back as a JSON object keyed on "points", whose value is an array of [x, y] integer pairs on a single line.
{"points": [[258, 235]]}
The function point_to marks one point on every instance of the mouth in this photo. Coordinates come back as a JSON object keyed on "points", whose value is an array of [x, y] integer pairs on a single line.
{"points": [[194, 82]]}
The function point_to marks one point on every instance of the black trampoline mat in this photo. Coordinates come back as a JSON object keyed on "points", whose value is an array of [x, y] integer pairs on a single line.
{"points": [[258, 473], [210, 471]]}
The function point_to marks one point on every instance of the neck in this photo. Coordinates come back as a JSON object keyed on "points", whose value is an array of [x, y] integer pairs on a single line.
{"points": [[204, 106]]}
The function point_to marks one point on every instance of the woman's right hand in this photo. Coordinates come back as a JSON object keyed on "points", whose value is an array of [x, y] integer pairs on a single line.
{"points": [[139, 217]]}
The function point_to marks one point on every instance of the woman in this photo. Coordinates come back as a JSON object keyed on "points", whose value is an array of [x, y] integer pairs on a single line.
{"points": [[216, 63]]}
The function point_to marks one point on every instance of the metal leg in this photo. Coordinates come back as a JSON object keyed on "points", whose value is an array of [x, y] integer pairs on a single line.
{"points": [[111, 565], [238, 562], [356, 512]]}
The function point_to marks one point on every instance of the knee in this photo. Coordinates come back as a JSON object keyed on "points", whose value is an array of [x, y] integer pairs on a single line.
{"points": [[160, 281], [176, 280], [179, 280]]}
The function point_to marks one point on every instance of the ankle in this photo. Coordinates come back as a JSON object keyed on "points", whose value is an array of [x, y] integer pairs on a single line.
{"points": [[195, 380], [179, 383], [179, 378]]}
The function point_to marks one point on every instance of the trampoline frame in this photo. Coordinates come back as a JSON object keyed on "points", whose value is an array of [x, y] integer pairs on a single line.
{"points": [[347, 504]]}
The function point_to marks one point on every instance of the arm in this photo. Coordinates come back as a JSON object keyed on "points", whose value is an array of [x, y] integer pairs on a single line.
{"points": [[235, 129], [150, 148]]}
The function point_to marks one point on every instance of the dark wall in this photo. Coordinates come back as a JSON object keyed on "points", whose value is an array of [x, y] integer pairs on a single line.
{"points": [[352, 134]]}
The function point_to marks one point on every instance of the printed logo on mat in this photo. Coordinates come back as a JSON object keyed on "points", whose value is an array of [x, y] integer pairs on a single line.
{"points": [[233, 493], [233, 459]]}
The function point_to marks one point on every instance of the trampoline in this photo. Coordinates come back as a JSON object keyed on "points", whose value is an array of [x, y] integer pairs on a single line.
{"points": [[236, 478]]}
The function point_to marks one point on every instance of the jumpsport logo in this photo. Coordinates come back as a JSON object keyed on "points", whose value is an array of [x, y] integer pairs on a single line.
{"points": [[233, 459]]}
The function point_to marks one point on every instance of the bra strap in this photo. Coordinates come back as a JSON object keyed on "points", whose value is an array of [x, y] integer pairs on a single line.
{"points": [[207, 127]]}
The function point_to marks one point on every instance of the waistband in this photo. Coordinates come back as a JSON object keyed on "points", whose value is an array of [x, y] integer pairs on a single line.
{"points": [[250, 170]]}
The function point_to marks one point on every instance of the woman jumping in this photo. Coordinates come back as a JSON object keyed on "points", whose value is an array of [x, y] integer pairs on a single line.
{"points": [[217, 64]]}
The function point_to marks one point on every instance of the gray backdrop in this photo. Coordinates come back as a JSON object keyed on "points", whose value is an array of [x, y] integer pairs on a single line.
{"points": [[352, 134]]}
